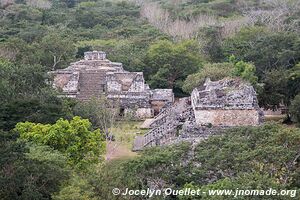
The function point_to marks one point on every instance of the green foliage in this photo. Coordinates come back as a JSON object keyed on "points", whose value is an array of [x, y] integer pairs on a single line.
{"points": [[295, 109], [155, 164], [20, 80], [214, 71], [29, 171], [56, 50], [269, 149], [294, 81], [245, 158], [101, 112], [267, 50], [77, 188], [187, 10], [259, 181], [275, 90], [169, 64], [280, 87], [27, 97], [218, 71], [211, 39], [244, 70], [249, 181], [73, 138]]}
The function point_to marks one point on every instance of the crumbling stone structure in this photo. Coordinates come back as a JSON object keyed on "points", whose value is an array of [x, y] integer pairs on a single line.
{"points": [[212, 108], [228, 102], [95, 75]]}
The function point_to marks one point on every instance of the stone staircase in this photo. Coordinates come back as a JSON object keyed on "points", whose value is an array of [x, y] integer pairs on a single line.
{"points": [[165, 127], [91, 84]]}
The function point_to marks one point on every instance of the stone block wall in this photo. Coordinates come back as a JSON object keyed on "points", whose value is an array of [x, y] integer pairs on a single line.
{"points": [[94, 55], [227, 117], [67, 81], [140, 113], [125, 81], [227, 102]]}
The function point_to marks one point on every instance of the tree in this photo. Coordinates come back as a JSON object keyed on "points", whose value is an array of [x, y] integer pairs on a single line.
{"points": [[169, 64], [244, 70], [74, 138], [56, 50], [20, 79], [280, 87], [275, 89], [267, 50], [27, 97], [210, 39], [29, 171], [100, 111], [214, 71], [77, 188], [294, 81], [295, 109], [217, 71], [13, 49]]}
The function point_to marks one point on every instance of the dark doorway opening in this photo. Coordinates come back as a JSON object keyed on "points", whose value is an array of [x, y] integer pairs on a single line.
{"points": [[122, 112]]}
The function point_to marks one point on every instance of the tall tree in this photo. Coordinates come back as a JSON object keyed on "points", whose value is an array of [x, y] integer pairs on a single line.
{"points": [[169, 64], [56, 50], [29, 171], [267, 50]]}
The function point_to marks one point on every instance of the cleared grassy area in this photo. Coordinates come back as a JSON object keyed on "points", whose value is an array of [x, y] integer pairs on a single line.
{"points": [[124, 133]]}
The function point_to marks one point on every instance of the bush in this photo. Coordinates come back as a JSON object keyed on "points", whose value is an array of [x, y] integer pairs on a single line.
{"points": [[29, 171], [73, 138], [295, 109]]}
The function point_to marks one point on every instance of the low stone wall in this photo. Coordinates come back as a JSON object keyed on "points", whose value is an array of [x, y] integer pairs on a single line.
{"points": [[143, 113], [227, 117]]}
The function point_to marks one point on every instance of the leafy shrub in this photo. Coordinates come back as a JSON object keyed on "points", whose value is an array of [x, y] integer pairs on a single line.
{"points": [[73, 138], [29, 171], [295, 109]]}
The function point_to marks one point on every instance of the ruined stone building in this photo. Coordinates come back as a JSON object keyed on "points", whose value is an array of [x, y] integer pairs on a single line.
{"points": [[212, 107], [228, 102], [95, 75]]}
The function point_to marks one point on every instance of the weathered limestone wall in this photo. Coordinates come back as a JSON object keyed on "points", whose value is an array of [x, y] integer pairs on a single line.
{"points": [[143, 113], [67, 81], [140, 113], [138, 84], [227, 117], [125, 81], [162, 95], [112, 85], [94, 55], [130, 100], [227, 102]]}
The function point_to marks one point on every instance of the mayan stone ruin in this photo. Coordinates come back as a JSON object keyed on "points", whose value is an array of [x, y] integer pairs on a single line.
{"points": [[228, 102], [212, 108], [95, 75]]}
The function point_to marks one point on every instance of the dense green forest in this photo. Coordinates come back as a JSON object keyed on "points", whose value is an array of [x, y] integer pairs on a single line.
{"points": [[54, 148]]}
